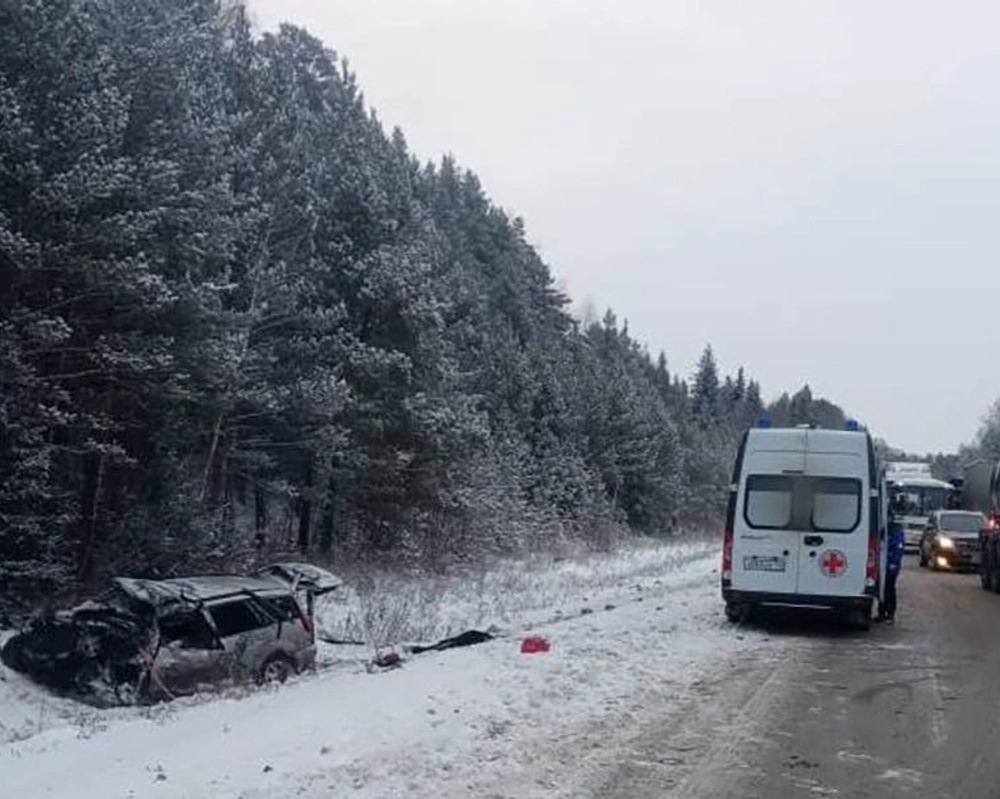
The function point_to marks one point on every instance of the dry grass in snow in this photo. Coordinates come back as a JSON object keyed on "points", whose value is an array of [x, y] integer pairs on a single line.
{"points": [[385, 608]]}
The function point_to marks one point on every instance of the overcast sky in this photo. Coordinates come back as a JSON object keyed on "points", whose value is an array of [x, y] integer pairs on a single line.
{"points": [[812, 187]]}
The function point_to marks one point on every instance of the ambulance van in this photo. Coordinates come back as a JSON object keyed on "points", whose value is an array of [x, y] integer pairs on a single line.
{"points": [[804, 523]]}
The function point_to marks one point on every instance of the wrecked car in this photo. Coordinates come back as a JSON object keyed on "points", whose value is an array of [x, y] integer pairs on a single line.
{"points": [[156, 639]]}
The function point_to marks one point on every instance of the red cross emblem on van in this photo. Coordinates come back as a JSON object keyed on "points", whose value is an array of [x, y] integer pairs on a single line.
{"points": [[833, 563]]}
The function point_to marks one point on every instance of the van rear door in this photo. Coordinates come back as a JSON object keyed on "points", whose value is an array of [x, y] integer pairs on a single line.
{"points": [[766, 548], [834, 553]]}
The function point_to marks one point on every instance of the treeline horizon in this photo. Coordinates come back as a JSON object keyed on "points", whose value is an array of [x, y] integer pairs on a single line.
{"points": [[239, 317]]}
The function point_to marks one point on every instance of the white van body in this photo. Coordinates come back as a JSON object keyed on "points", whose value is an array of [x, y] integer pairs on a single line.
{"points": [[803, 523]]}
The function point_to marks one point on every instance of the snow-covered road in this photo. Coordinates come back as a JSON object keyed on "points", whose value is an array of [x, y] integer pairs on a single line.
{"points": [[485, 721]]}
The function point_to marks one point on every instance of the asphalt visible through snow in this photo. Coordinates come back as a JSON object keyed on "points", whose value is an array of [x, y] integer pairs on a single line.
{"points": [[910, 710]]}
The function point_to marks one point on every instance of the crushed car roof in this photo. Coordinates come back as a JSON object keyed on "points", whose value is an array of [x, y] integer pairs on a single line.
{"points": [[303, 576], [194, 589]]}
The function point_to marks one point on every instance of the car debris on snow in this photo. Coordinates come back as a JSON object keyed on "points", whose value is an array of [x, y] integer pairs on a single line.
{"points": [[535, 644], [468, 638]]}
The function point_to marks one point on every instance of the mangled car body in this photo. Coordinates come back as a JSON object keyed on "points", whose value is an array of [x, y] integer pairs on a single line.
{"points": [[156, 639], [92, 652]]}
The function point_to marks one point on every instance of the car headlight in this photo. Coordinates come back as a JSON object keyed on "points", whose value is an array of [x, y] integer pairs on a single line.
{"points": [[943, 542]]}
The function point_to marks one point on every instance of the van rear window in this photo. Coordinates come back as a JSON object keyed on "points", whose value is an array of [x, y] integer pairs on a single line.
{"points": [[798, 502], [836, 504], [769, 502]]}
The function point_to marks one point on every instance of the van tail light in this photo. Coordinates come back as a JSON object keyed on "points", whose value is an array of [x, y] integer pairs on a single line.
{"points": [[871, 568], [991, 523], [727, 554]]}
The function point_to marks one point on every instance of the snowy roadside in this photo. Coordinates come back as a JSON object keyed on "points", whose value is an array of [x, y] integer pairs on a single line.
{"points": [[512, 595], [485, 720], [27, 709]]}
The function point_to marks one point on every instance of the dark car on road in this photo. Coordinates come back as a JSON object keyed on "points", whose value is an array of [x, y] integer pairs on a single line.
{"points": [[951, 540]]}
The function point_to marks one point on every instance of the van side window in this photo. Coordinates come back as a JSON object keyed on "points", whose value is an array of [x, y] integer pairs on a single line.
{"points": [[769, 501], [836, 504], [239, 616]]}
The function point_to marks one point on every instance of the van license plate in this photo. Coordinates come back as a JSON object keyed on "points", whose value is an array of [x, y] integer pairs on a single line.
{"points": [[764, 563]]}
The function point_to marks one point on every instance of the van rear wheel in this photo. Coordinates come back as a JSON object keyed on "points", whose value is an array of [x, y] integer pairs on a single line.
{"points": [[737, 612], [860, 618], [989, 570]]}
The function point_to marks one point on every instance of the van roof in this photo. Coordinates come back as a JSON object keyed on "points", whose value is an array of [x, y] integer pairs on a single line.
{"points": [[792, 439]]}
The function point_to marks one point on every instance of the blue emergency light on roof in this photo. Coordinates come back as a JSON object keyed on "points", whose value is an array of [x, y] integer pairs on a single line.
{"points": [[763, 422], [852, 425]]}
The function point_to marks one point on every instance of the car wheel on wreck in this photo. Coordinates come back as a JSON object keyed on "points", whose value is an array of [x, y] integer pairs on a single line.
{"points": [[12, 653], [275, 670], [131, 693]]}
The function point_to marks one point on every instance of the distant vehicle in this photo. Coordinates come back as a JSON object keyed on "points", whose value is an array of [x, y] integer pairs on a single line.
{"points": [[802, 525], [156, 639], [904, 469], [956, 497], [951, 540], [977, 478], [982, 493], [912, 487]]}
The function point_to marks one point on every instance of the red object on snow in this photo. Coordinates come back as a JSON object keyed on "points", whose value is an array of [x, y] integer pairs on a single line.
{"points": [[533, 644]]}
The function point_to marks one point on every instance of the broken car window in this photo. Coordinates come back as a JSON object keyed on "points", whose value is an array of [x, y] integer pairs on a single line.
{"points": [[284, 608], [239, 616], [187, 631]]}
